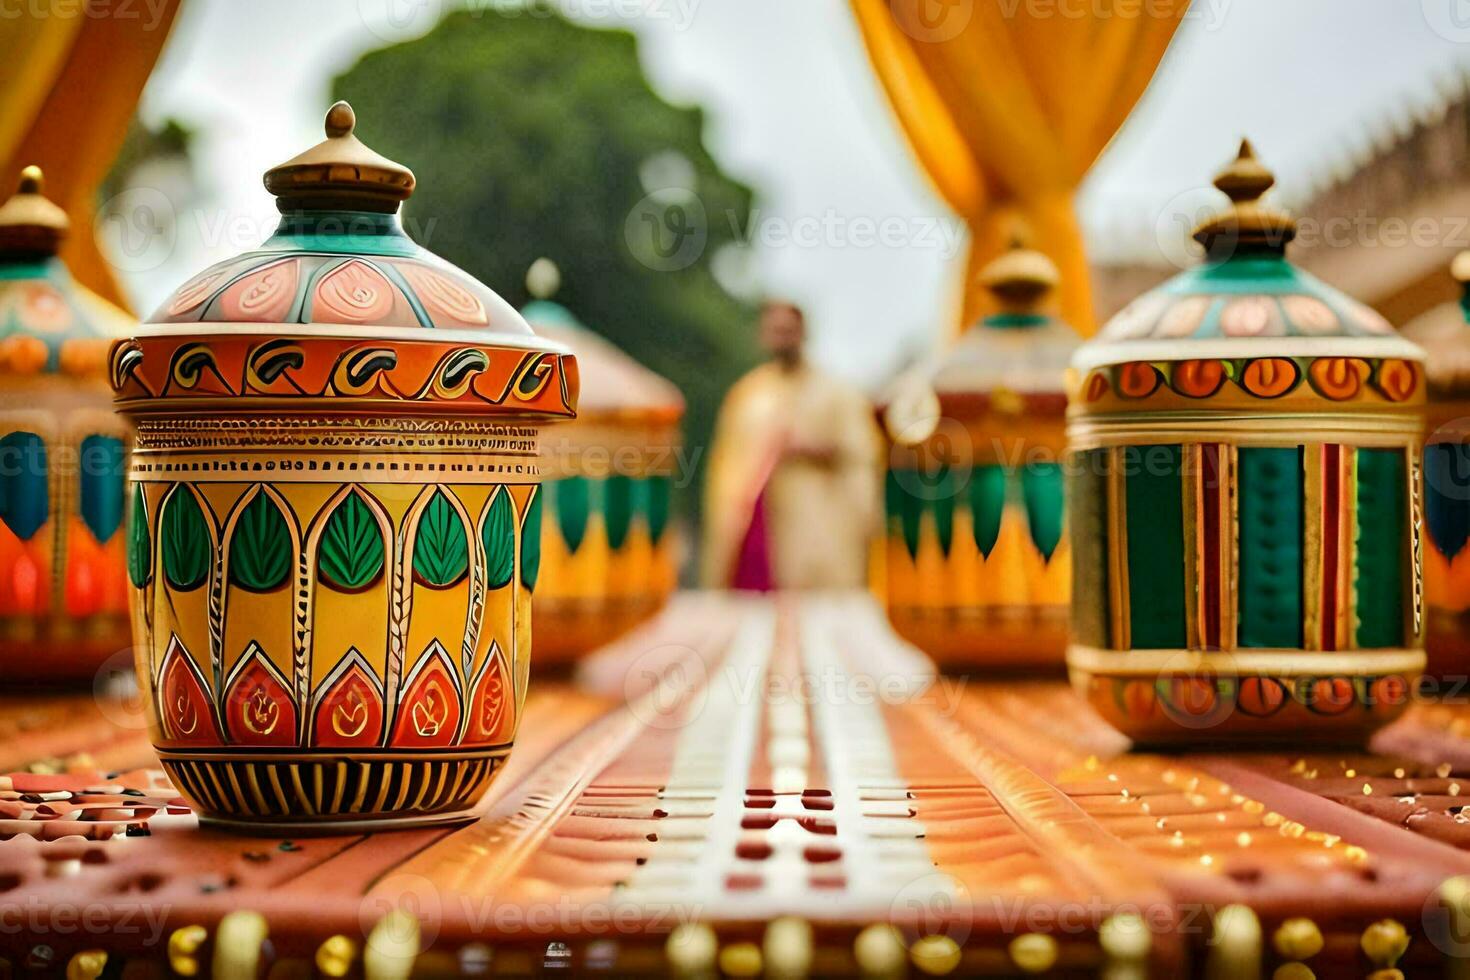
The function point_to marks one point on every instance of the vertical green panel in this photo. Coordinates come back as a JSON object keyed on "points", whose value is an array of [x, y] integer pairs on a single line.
{"points": [[942, 500], [1270, 547], [1088, 519], [1041, 486], [1382, 524], [25, 496], [1155, 512]]}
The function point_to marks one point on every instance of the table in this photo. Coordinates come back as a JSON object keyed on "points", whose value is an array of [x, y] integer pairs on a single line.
{"points": [[774, 787]]}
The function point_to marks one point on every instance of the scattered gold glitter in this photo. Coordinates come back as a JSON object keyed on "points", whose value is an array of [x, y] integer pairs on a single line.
{"points": [[1367, 790], [1443, 770], [1243, 839], [1398, 773]]}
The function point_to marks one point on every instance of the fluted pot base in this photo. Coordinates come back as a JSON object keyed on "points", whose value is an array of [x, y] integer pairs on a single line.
{"points": [[272, 794]]}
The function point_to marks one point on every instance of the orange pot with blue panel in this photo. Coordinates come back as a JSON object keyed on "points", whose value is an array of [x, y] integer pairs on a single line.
{"points": [[63, 579]]}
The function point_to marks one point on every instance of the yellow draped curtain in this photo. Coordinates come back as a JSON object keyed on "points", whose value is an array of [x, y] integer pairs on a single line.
{"points": [[1008, 103], [69, 84]]}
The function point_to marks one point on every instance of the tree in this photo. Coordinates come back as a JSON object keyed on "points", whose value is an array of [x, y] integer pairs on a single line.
{"points": [[531, 135]]}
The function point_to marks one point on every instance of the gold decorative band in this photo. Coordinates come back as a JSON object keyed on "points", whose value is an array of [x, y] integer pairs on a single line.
{"points": [[1243, 429], [1255, 663]]}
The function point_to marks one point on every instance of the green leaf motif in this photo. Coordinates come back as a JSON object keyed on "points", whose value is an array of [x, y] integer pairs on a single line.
{"points": [[618, 505], [140, 545], [531, 544], [1041, 486], [260, 546], [499, 538], [187, 551], [351, 553], [659, 489], [573, 498], [441, 549], [987, 505]]}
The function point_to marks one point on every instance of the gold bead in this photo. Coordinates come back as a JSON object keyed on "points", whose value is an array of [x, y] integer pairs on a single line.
{"points": [[86, 965], [691, 949], [935, 955], [335, 955], [1384, 942], [1034, 952], [237, 943], [392, 947], [1297, 939], [879, 951], [1125, 937], [183, 943], [787, 948], [741, 960], [1293, 971]]}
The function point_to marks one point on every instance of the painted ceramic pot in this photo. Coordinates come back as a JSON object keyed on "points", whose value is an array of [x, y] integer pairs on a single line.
{"points": [[1445, 336], [976, 568], [1245, 499], [609, 559], [334, 530], [63, 578]]}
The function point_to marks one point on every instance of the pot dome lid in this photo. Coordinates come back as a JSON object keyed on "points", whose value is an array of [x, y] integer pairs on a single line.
{"points": [[614, 383], [1245, 299], [48, 322], [1022, 347], [340, 309], [340, 256]]}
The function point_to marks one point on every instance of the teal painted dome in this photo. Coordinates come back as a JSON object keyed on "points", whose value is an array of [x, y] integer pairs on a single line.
{"points": [[1246, 299]]}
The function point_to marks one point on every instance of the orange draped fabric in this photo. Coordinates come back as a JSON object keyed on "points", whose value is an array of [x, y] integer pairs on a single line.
{"points": [[1008, 103], [69, 84]]}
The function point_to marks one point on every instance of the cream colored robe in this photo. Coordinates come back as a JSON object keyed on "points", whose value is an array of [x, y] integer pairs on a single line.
{"points": [[820, 518]]}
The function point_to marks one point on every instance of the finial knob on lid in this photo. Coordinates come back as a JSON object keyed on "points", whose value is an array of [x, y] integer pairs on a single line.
{"points": [[340, 173], [31, 225], [1022, 277], [1247, 222]]}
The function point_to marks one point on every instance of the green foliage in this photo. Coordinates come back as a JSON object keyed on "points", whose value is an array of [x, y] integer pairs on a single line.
{"points": [[260, 547], [527, 134], [351, 555], [441, 549], [187, 551], [499, 538]]}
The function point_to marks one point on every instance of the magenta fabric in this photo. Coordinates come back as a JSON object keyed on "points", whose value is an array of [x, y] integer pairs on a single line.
{"points": [[753, 564]]}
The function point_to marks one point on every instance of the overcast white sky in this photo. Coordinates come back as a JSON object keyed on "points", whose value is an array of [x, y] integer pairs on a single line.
{"points": [[793, 108]]}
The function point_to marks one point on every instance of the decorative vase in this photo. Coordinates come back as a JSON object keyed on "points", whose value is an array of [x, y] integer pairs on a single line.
{"points": [[63, 579], [609, 559], [976, 568], [335, 513], [1445, 337], [1245, 499]]}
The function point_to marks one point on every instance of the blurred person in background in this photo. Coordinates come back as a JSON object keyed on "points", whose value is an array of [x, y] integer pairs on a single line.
{"points": [[792, 495]]}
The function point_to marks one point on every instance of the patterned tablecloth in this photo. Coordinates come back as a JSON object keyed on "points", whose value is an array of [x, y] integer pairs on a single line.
{"points": [[755, 787]]}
